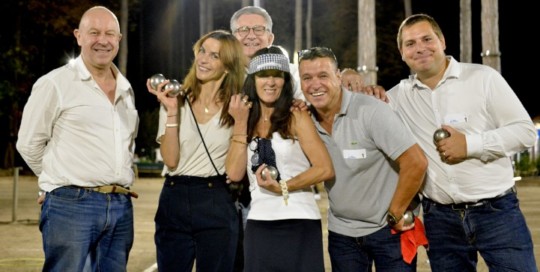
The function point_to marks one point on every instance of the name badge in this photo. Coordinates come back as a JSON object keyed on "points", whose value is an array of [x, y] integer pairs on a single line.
{"points": [[354, 154], [455, 118]]}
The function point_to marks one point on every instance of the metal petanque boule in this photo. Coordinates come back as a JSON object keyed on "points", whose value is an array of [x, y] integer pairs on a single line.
{"points": [[175, 87], [440, 134], [156, 79], [271, 170], [408, 217]]}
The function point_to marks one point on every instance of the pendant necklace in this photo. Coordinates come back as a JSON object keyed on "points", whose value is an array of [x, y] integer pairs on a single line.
{"points": [[206, 109]]}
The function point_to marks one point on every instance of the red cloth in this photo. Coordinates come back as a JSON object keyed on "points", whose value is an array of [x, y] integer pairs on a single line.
{"points": [[411, 239]]}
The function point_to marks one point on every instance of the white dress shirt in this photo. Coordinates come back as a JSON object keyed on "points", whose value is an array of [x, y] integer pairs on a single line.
{"points": [[477, 101], [71, 133]]}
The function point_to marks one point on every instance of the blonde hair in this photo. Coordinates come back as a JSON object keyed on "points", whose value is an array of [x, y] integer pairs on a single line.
{"points": [[232, 56]]}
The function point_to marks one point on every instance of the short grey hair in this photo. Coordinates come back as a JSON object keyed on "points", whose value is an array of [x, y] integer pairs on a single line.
{"points": [[251, 10]]}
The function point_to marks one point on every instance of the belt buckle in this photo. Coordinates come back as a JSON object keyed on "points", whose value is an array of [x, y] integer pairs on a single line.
{"points": [[466, 206], [113, 189]]}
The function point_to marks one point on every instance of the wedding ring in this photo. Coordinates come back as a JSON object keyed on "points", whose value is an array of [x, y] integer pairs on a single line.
{"points": [[444, 154], [249, 104], [245, 99]]}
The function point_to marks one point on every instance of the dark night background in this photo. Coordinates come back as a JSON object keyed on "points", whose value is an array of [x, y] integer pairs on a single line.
{"points": [[36, 37]]}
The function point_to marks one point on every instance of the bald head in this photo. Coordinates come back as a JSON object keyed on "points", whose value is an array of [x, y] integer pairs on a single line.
{"points": [[99, 12], [99, 37]]}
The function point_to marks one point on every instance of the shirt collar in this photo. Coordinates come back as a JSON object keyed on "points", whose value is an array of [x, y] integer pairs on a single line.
{"points": [[346, 98], [452, 72], [122, 84]]}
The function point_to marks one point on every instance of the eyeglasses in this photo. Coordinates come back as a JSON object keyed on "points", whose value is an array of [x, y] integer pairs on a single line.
{"points": [[316, 52], [244, 30]]}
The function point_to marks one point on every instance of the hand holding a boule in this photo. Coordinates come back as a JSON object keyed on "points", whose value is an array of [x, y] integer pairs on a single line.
{"points": [[156, 86], [265, 180], [452, 149]]}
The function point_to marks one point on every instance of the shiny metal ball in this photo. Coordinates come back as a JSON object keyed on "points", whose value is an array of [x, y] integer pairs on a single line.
{"points": [[270, 170], [175, 87], [408, 217], [440, 134], [156, 79]]}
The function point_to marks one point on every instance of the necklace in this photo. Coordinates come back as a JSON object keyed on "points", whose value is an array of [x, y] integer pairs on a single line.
{"points": [[266, 116], [206, 107]]}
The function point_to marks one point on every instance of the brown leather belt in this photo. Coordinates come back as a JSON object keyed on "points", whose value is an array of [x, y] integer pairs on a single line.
{"points": [[112, 189]]}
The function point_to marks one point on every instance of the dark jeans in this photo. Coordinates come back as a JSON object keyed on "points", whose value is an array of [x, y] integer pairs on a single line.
{"points": [[496, 229], [359, 253], [196, 220], [76, 223]]}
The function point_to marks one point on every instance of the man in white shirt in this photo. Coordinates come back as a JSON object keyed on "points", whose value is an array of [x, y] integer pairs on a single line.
{"points": [[78, 136], [469, 200]]}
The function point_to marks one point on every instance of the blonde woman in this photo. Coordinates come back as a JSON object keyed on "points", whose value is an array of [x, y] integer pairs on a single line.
{"points": [[196, 217]]}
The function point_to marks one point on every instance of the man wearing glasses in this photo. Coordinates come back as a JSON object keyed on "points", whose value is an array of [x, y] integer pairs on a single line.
{"points": [[252, 26], [378, 165]]}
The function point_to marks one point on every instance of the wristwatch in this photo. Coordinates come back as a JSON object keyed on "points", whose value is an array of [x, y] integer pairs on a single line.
{"points": [[392, 219]]}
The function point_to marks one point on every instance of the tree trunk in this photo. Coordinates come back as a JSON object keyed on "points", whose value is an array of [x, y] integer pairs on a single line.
{"points": [[465, 33], [309, 14], [202, 17], [206, 18], [124, 29], [490, 34], [367, 45], [209, 16], [297, 28], [408, 8]]}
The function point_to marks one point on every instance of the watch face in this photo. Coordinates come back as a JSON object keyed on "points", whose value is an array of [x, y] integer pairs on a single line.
{"points": [[391, 219]]}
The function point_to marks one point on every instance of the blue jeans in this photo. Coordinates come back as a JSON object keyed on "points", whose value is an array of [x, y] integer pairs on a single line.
{"points": [[359, 253], [496, 229], [77, 223], [196, 220]]}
